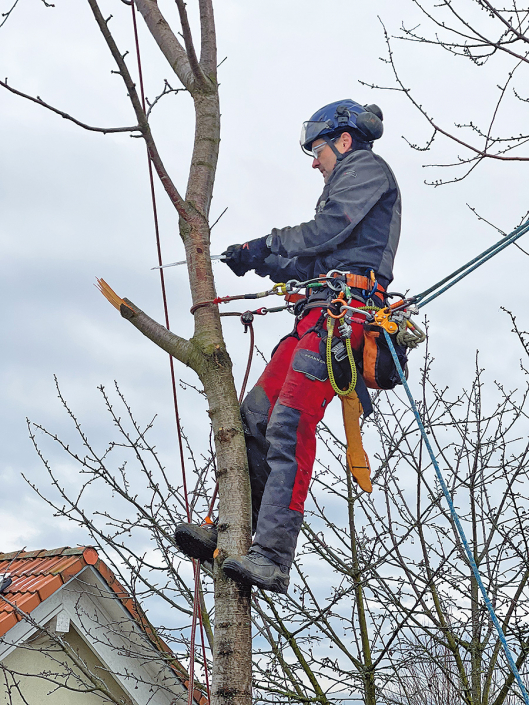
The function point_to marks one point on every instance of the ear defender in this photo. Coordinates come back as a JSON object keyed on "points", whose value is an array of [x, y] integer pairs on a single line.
{"points": [[372, 108], [370, 122]]}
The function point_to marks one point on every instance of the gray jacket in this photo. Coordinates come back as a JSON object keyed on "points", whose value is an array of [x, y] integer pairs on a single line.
{"points": [[356, 226]]}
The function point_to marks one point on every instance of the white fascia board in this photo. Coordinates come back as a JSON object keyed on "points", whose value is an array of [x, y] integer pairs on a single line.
{"points": [[112, 634], [23, 630]]}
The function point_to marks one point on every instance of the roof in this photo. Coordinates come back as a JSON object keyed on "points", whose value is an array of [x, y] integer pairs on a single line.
{"points": [[36, 575]]}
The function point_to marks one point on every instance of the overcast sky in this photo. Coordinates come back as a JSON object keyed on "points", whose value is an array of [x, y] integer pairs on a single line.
{"points": [[75, 205]]}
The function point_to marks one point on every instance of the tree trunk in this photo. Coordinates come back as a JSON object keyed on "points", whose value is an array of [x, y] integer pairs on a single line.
{"points": [[206, 352]]}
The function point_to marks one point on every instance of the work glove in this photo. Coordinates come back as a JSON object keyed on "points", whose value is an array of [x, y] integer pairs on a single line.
{"points": [[241, 258]]}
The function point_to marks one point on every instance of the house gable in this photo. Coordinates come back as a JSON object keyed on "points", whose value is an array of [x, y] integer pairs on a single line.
{"points": [[77, 610]]}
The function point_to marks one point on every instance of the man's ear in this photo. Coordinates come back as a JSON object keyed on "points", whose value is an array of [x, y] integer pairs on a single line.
{"points": [[346, 141]]}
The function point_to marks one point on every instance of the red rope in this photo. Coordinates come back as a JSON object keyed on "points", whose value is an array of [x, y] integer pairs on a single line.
{"points": [[249, 363], [196, 608], [241, 397], [162, 279], [196, 565]]}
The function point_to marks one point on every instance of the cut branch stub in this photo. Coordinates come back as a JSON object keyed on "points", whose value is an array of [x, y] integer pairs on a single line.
{"points": [[180, 348], [118, 303]]}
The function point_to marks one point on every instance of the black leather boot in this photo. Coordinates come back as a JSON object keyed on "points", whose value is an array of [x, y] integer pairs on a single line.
{"points": [[256, 569], [197, 541]]}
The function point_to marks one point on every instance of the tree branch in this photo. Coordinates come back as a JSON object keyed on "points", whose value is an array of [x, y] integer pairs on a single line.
{"points": [[480, 153], [169, 45], [66, 116], [180, 348], [7, 14], [169, 186], [190, 47], [208, 50]]}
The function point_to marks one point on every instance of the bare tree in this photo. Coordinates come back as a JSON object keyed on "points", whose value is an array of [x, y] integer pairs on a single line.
{"points": [[383, 599], [402, 587], [482, 33], [205, 352]]}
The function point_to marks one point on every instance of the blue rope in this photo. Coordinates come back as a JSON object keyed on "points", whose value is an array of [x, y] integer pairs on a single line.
{"points": [[469, 267], [459, 526]]}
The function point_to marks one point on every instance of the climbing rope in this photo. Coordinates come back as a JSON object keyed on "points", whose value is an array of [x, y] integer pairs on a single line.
{"points": [[458, 524], [467, 268], [328, 355]]}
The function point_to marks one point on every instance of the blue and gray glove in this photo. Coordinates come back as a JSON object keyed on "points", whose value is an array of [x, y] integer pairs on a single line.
{"points": [[241, 258]]}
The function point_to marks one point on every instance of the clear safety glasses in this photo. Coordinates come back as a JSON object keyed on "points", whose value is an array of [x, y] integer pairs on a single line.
{"points": [[316, 151]]}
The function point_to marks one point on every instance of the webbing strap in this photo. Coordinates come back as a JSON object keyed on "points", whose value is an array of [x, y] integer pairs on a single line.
{"points": [[459, 526]]}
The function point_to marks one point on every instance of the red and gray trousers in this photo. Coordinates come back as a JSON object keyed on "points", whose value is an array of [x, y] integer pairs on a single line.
{"points": [[280, 415]]}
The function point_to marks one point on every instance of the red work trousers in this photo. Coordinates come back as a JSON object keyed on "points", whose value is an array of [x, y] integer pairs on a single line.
{"points": [[280, 415]]}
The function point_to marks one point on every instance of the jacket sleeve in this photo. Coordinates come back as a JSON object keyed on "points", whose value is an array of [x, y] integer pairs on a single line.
{"points": [[281, 269], [353, 190]]}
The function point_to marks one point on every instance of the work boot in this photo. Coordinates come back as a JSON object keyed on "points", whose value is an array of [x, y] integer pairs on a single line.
{"points": [[197, 541], [256, 569]]}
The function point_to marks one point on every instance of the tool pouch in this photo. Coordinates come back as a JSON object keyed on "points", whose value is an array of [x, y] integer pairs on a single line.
{"points": [[377, 366]]}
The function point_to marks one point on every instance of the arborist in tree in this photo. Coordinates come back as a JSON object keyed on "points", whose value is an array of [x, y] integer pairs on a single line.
{"points": [[349, 246]]}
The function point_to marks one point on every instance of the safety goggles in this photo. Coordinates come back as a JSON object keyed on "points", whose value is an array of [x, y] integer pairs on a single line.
{"points": [[316, 151]]}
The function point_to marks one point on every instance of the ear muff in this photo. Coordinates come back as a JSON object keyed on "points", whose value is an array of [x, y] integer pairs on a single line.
{"points": [[369, 123], [372, 108]]}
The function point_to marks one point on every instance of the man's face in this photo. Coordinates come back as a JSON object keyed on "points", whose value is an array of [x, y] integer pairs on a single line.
{"points": [[326, 158]]}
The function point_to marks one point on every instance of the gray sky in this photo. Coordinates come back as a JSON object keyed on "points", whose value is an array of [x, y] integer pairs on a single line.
{"points": [[75, 205]]}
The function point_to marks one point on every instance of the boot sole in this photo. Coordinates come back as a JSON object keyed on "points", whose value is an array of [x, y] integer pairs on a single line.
{"points": [[193, 546], [234, 570]]}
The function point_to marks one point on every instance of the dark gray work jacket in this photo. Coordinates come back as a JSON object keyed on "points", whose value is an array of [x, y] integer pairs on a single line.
{"points": [[356, 226]]}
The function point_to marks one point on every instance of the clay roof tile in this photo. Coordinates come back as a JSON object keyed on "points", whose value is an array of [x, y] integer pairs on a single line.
{"points": [[38, 574]]}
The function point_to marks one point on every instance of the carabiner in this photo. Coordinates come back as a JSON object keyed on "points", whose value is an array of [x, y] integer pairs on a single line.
{"points": [[334, 281], [339, 300], [279, 289], [293, 286]]}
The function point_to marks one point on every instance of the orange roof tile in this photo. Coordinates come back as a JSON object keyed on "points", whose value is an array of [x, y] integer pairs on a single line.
{"points": [[38, 574]]}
